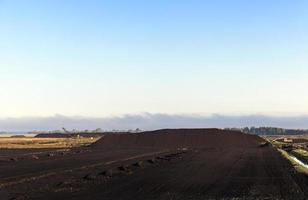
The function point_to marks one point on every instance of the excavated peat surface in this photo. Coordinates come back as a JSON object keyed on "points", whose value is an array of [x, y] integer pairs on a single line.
{"points": [[164, 164]]}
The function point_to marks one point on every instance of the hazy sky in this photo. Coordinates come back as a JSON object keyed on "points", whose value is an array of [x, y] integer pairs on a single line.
{"points": [[102, 58]]}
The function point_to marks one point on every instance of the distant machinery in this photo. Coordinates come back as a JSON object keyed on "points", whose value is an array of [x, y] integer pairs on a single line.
{"points": [[65, 131]]}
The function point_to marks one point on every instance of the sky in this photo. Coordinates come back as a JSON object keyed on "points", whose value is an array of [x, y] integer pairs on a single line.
{"points": [[113, 58]]}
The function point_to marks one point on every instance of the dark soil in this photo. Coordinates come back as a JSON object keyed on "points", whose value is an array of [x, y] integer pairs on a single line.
{"points": [[166, 164]]}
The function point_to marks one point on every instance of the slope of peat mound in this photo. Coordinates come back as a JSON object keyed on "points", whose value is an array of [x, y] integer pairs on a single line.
{"points": [[179, 138]]}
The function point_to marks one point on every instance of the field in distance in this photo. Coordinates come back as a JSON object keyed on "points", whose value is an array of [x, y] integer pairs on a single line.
{"points": [[32, 142]]}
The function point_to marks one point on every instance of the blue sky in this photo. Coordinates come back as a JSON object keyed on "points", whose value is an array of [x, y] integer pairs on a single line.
{"points": [[102, 58]]}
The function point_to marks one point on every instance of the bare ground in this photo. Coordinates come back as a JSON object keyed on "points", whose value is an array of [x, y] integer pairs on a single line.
{"points": [[241, 169]]}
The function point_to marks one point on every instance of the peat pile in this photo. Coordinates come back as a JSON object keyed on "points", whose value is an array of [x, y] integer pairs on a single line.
{"points": [[179, 138]]}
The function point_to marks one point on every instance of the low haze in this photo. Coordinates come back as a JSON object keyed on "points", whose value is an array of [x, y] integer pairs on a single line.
{"points": [[149, 121]]}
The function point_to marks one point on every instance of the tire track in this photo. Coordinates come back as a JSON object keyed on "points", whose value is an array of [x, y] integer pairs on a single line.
{"points": [[34, 177]]}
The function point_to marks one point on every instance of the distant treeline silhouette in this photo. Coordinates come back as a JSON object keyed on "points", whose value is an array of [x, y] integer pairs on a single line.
{"points": [[270, 131]]}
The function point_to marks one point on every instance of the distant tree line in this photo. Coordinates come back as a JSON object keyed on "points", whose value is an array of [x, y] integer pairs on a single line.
{"points": [[270, 131]]}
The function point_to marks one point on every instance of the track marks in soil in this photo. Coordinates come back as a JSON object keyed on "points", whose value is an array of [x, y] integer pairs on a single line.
{"points": [[33, 176]]}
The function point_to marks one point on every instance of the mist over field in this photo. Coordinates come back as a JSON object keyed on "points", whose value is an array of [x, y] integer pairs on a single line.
{"points": [[149, 121]]}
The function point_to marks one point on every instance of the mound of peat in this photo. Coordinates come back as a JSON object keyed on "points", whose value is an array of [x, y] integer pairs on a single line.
{"points": [[179, 138]]}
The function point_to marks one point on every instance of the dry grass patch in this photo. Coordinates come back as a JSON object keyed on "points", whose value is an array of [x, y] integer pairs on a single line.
{"points": [[32, 142], [296, 165]]}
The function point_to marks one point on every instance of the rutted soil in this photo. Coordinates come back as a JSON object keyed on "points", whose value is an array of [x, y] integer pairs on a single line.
{"points": [[165, 164]]}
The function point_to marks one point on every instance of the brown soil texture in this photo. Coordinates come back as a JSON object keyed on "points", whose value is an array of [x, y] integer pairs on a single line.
{"points": [[179, 138], [165, 164]]}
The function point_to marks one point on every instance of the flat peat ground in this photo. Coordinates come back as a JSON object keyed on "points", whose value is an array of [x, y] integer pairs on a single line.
{"points": [[237, 170]]}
